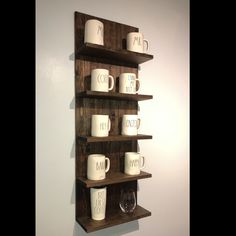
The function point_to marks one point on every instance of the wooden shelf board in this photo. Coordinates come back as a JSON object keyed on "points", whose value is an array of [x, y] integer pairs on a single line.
{"points": [[112, 219], [113, 138], [113, 95], [99, 51], [113, 178]]}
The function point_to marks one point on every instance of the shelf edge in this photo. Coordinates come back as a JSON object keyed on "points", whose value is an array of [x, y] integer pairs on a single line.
{"points": [[113, 95], [146, 213], [117, 138], [144, 175]]}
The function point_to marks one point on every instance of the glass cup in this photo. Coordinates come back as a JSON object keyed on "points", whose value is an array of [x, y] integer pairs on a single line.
{"points": [[127, 200]]}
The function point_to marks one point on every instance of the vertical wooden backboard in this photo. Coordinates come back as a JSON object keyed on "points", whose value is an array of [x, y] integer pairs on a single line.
{"points": [[114, 38]]}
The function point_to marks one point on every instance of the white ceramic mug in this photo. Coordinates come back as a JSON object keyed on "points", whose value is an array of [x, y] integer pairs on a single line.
{"points": [[135, 42], [128, 83], [96, 166], [98, 203], [100, 80], [130, 124], [133, 163], [94, 32], [101, 125]]}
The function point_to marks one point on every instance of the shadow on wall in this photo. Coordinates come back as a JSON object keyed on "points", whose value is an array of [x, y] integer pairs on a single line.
{"points": [[72, 198], [72, 152], [72, 107], [72, 56], [113, 231]]}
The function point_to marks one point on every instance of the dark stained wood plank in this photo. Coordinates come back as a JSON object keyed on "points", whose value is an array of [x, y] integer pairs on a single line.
{"points": [[114, 43], [83, 208], [114, 178], [114, 218], [84, 68], [114, 138], [99, 51], [113, 95], [114, 33]]}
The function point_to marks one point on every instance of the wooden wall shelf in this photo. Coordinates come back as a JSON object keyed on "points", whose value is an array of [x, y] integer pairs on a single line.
{"points": [[113, 218], [113, 95], [114, 178], [99, 51], [114, 57], [113, 138]]}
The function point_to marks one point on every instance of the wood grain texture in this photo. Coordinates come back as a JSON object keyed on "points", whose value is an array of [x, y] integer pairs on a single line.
{"points": [[113, 95], [83, 208], [113, 138], [117, 56], [115, 151], [114, 33], [84, 67], [113, 178], [88, 104], [115, 218]]}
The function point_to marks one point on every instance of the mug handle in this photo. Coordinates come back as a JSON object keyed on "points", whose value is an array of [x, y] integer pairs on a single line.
{"points": [[137, 80], [145, 41], [143, 165], [108, 164], [109, 124], [112, 82], [139, 121]]}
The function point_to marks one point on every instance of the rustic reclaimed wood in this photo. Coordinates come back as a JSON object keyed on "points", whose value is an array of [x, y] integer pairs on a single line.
{"points": [[115, 151], [113, 178], [83, 77], [114, 33], [110, 57], [112, 219], [113, 197], [113, 138], [113, 95], [119, 56]]}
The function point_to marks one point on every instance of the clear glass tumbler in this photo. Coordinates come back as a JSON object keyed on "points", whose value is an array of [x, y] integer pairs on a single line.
{"points": [[127, 200]]}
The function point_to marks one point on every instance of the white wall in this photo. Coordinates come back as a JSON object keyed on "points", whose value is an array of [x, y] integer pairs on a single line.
{"points": [[165, 23]]}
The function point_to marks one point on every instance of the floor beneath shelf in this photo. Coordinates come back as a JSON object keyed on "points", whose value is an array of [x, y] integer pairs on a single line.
{"points": [[112, 219]]}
